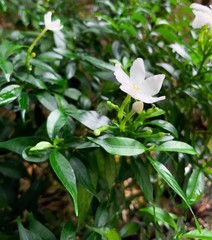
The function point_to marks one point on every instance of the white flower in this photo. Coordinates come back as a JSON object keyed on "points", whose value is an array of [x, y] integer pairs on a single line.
{"points": [[203, 15], [52, 25], [136, 85]]}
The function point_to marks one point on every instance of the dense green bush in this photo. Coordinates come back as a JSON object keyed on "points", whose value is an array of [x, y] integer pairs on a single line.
{"points": [[104, 163]]}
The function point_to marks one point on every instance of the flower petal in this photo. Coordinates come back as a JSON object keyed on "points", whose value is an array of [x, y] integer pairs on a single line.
{"points": [[200, 8], [121, 76], [137, 72], [201, 19], [47, 18], [55, 25], [152, 85], [148, 99]]}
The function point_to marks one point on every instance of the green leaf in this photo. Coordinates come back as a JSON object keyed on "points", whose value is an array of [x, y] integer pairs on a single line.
{"points": [[9, 94], [32, 80], [18, 145], [108, 233], [98, 63], [170, 180], [165, 125], [90, 119], [160, 215], [39, 229], [68, 231], [47, 100], [25, 234], [82, 175], [120, 145], [143, 179], [72, 93], [204, 234], [196, 186], [129, 229], [65, 173], [176, 146], [55, 121], [35, 156]]}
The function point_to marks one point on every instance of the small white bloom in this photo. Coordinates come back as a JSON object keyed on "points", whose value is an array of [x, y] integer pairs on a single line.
{"points": [[136, 85], [52, 25], [203, 15]]}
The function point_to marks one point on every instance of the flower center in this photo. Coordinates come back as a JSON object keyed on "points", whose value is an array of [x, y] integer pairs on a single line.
{"points": [[134, 87]]}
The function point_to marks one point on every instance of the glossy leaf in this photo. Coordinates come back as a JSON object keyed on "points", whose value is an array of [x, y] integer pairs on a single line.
{"points": [[98, 63], [90, 119], [41, 146], [55, 121], [120, 145], [65, 173], [17, 145], [109, 234], [23, 102], [170, 180], [196, 186], [9, 94], [176, 146], [204, 234], [7, 68], [143, 178], [165, 125], [47, 100], [160, 215]]}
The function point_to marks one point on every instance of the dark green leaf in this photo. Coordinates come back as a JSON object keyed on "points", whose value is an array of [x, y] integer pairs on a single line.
{"points": [[23, 102], [65, 173], [98, 63], [7, 68], [120, 145], [25, 234], [142, 176], [82, 175], [43, 232], [170, 180], [47, 100], [129, 229], [17, 145], [35, 156]]}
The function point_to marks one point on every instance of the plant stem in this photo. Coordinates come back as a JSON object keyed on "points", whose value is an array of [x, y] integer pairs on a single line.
{"points": [[28, 56], [125, 120], [123, 105]]}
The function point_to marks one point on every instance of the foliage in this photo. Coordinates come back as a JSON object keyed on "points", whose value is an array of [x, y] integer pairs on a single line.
{"points": [[65, 124]]}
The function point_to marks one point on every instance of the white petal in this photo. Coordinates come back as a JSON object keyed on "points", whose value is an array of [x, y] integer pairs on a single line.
{"points": [[149, 99], [200, 8], [137, 72], [201, 19], [47, 18], [152, 85], [121, 76], [55, 25], [132, 92]]}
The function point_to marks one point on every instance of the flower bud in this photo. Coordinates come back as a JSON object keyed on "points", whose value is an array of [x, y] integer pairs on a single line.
{"points": [[138, 107]]}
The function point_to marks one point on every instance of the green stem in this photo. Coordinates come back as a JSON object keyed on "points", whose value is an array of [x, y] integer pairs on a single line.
{"points": [[125, 120], [123, 105], [28, 56]]}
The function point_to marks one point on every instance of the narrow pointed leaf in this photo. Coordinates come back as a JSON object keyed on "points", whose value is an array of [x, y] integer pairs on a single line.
{"points": [[120, 145], [108, 233], [161, 215], [170, 180], [65, 173], [196, 186], [68, 231], [176, 146], [204, 234]]}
